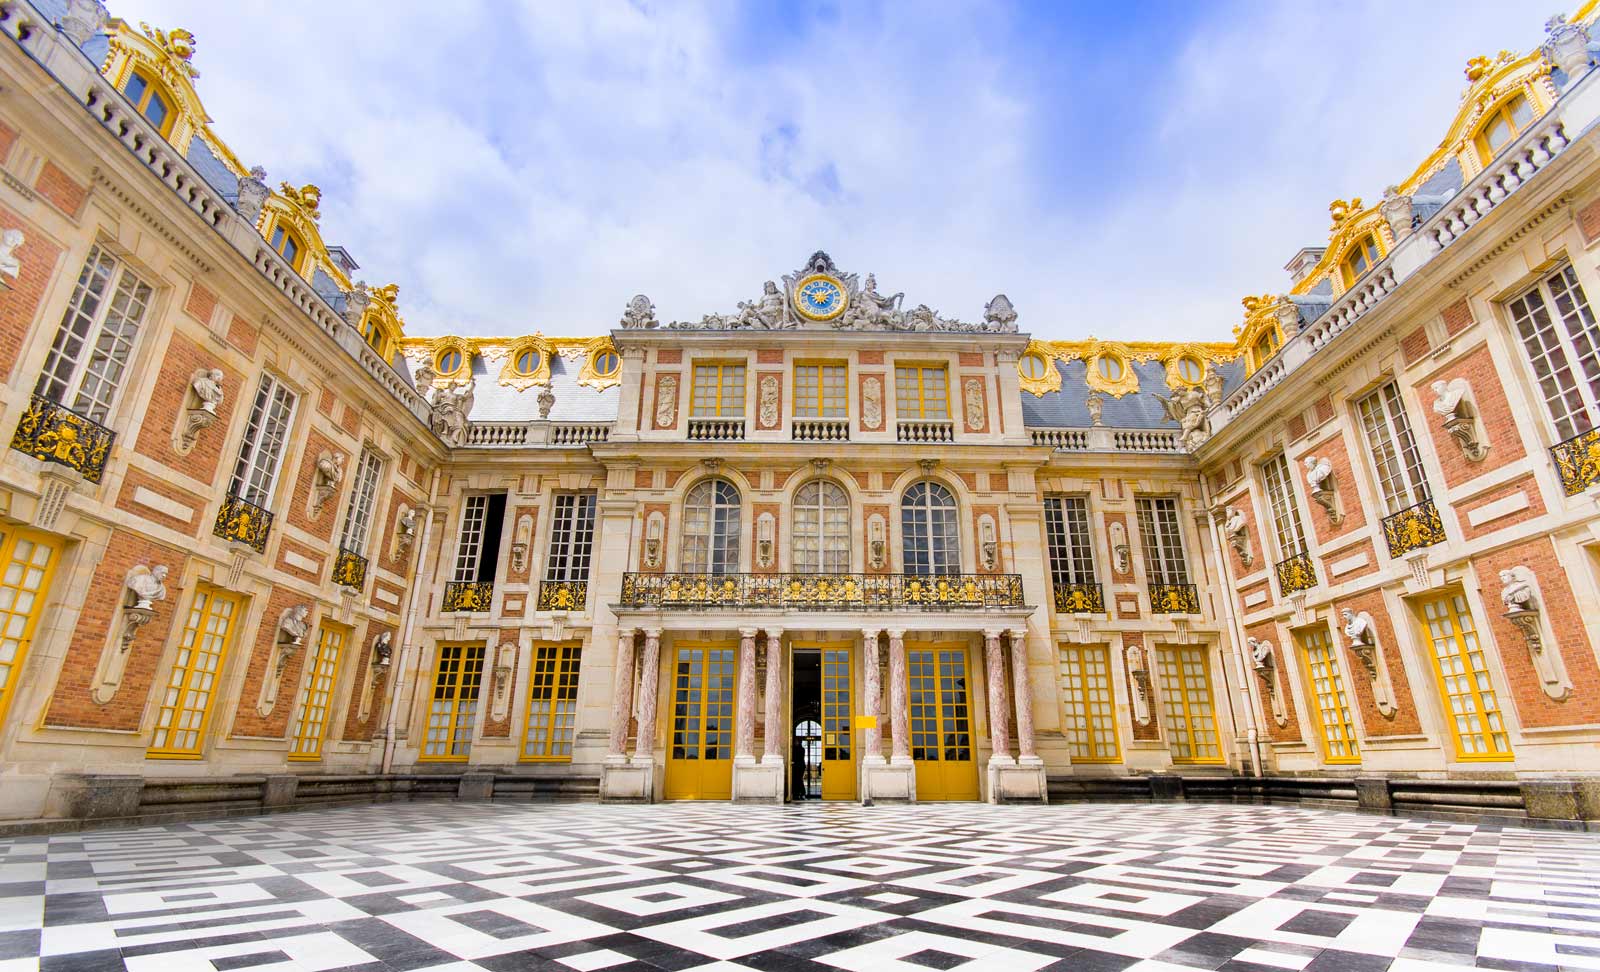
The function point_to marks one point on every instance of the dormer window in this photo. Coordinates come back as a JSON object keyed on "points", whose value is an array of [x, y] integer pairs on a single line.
{"points": [[1109, 367], [449, 362], [151, 101], [527, 362], [1265, 347], [1504, 124], [605, 363], [375, 336], [1358, 260], [1190, 370], [287, 245]]}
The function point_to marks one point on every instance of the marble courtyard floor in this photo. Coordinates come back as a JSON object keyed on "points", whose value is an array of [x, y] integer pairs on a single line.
{"points": [[454, 887]]}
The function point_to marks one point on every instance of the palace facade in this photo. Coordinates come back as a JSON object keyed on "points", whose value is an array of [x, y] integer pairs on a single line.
{"points": [[260, 549]]}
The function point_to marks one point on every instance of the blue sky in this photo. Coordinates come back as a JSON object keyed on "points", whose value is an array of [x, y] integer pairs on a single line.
{"points": [[1119, 170]]}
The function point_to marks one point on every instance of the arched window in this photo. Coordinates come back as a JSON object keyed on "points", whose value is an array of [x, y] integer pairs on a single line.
{"points": [[1506, 123], [928, 537], [1358, 260], [287, 244], [711, 529], [821, 529], [151, 101]]}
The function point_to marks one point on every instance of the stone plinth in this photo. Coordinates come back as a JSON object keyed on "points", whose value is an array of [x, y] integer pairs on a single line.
{"points": [[279, 790], [626, 781], [89, 796], [757, 781], [891, 782], [476, 786], [1017, 781], [1551, 799]]}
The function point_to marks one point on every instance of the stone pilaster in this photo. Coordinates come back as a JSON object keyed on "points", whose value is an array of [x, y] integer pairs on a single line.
{"points": [[995, 676], [896, 780], [621, 695], [772, 747], [744, 720], [623, 780], [899, 717], [757, 781], [1022, 696], [872, 736], [650, 675]]}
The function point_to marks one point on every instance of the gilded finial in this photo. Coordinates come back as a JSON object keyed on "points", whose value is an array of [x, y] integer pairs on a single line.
{"points": [[1253, 304], [388, 294], [177, 43], [1477, 67], [307, 197], [1341, 210]]}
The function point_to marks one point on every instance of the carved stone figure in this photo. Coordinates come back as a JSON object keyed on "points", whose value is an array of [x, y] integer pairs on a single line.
{"points": [[1517, 591], [770, 311], [1265, 665], [1213, 387], [1566, 45], [1238, 533], [10, 263], [640, 313], [1358, 627], [356, 303], [452, 405], [325, 480], [999, 315], [1121, 554], [293, 625], [1095, 403], [1396, 209], [83, 20], [424, 376], [977, 412], [872, 402], [1139, 675], [142, 588], [405, 531], [1453, 400], [1187, 407], [1260, 654], [382, 649], [253, 194], [1320, 485], [521, 540], [200, 411], [546, 400], [871, 309], [767, 396], [666, 401]]}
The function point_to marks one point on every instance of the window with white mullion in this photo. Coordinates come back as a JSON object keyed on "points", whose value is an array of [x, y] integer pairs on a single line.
{"points": [[261, 453], [1285, 515], [470, 545], [358, 514], [1066, 526], [93, 345], [571, 537], [1393, 449], [821, 529], [1556, 327], [1162, 540]]}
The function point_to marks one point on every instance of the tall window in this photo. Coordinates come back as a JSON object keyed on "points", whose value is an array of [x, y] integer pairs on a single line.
{"points": [[1090, 723], [1285, 515], [1393, 449], [316, 698], [711, 529], [571, 537], [150, 101], [454, 706], [26, 563], [1162, 540], [92, 347], [261, 453], [363, 498], [1507, 122], [718, 391], [552, 703], [1330, 698], [186, 703], [821, 528], [478, 548], [1066, 529], [1561, 340], [1358, 260], [1186, 701], [928, 533], [1471, 706], [819, 391], [921, 392]]}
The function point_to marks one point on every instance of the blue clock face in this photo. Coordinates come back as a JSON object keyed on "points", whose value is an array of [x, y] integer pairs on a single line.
{"points": [[819, 298]]}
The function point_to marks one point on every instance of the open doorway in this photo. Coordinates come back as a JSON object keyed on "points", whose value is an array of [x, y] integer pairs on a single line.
{"points": [[821, 736]]}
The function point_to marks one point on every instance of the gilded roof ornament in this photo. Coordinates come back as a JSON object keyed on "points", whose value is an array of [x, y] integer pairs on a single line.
{"points": [[177, 43], [1341, 211], [308, 197]]}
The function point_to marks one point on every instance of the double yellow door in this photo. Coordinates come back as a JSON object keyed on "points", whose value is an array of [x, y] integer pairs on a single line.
{"points": [[700, 752], [940, 696]]}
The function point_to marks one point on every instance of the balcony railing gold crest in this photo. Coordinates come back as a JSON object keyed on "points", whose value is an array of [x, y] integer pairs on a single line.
{"points": [[350, 569], [1296, 573], [244, 522], [1174, 599], [475, 597], [1080, 599], [1578, 461], [1413, 528], [54, 433], [563, 595], [823, 592]]}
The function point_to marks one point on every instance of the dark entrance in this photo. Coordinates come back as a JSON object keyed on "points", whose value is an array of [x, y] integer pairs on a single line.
{"points": [[805, 742]]}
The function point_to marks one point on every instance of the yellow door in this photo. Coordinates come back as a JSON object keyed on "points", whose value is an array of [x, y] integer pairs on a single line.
{"points": [[941, 723], [700, 757], [838, 764]]}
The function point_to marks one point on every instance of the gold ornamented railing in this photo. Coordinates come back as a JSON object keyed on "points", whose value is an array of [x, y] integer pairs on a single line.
{"points": [[1080, 599], [823, 592], [472, 596], [1578, 461], [54, 433], [563, 595], [1296, 573], [349, 569], [1413, 528], [243, 522], [1174, 599]]}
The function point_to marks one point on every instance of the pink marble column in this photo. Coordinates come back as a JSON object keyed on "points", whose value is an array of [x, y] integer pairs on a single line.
{"points": [[744, 720], [1023, 696], [872, 740], [899, 716], [644, 748], [622, 694], [772, 747], [995, 674]]}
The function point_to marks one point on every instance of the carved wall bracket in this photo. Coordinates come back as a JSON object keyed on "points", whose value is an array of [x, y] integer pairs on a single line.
{"points": [[143, 588], [1453, 403], [1263, 659], [1361, 639], [1322, 486], [1524, 609], [1139, 676], [293, 626]]}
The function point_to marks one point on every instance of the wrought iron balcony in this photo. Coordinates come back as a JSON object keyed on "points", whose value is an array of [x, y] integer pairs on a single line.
{"points": [[1413, 528], [563, 595], [1080, 599], [1578, 461], [1174, 599], [243, 522], [349, 569], [52, 432], [823, 592], [475, 597], [1296, 573]]}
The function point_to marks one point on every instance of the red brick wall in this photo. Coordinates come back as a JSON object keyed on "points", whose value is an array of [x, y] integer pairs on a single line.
{"points": [[287, 546], [1589, 221], [298, 513], [8, 138], [1330, 557], [58, 187], [400, 563], [1125, 576], [397, 593], [669, 356], [870, 357], [514, 576], [1497, 427], [19, 306], [136, 478], [970, 359], [71, 703], [169, 399], [769, 356], [1263, 556], [247, 721], [1457, 317], [1405, 721], [242, 334], [1414, 346], [357, 729], [1282, 648], [1526, 485], [201, 304]]}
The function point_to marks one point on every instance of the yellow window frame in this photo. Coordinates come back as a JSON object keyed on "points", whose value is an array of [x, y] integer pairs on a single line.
{"points": [[1320, 663], [722, 371], [457, 672], [922, 369], [376, 336], [1172, 659], [314, 711], [21, 580], [298, 261], [195, 679], [153, 88], [1466, 642], [821, 403], [1500, 112], [553, 681], [1078, 690], [1347, 270]]}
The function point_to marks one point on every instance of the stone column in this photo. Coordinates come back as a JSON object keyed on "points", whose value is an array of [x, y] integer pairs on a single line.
{"points": [[1023, 697], [772, 747], [744, 720], [899, 716], [872, 740], [621, 694], [649, 680], [995, 674]]}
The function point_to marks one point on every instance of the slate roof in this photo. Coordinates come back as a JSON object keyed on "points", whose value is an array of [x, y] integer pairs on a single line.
{"points": [[1065, 409], [494, 402]]}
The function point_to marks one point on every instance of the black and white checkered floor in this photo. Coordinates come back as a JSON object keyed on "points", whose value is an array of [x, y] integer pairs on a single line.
{"points": [[457, 887]]}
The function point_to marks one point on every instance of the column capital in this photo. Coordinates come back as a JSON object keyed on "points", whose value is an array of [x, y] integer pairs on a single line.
{"points": [[870, 634], [1019, 634], [749, 632], [626, 633], [897, 634], [774, 634], [653, 633], [992, 634]]}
